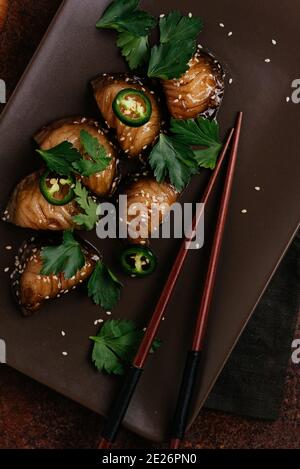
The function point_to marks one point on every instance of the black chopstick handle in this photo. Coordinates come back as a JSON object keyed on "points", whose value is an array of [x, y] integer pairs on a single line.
{"points": [[185, 395], [121, 404]]}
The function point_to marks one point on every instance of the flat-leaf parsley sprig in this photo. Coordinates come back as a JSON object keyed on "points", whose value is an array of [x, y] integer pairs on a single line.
{"points": [[133, 28], [68, 258], [88, 217], [116, 345], [64, 159], [175, 158], [178, 43], [199, 132]]}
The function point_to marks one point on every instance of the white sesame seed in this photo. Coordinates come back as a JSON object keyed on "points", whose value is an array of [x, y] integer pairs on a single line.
{"points": [[267, 61], [222, 25], [230, 81], [108, 313], [63, 333], [244, 211], [230, 33], [274, 42], [190, 15], [65, 354], [8, 248], [257, 188], [288, 99], [162, 15], [6, 269], [98, 321]]}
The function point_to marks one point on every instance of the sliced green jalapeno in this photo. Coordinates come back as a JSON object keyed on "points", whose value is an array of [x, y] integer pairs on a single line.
{"points": [[57, 190], [138, 261], [132, 107]]}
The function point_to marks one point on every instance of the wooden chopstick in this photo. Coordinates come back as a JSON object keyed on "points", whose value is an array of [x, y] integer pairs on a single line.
{"points": [[193, 356], [123, 400]]}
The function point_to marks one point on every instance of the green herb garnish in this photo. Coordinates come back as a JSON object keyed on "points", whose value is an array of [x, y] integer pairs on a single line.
{"points": [[178, 43], [116, 345], [133, 26], [60, 159], [103, 287], [64, 159], [173, 160], [135, 49], [99, 160], [199, 132], [67, 258], [88, 219]]}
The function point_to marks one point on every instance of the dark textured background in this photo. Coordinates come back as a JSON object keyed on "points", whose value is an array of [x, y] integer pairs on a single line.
{"points": [[32, 416]]}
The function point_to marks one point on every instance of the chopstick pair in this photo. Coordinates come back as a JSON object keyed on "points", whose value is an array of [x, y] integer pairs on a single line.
{"points": [[123, 400]]}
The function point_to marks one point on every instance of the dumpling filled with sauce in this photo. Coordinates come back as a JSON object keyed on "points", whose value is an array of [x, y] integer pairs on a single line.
{"points": [[131, 108], [32, 289], [199, 91], [101, 183], [148, 204]]}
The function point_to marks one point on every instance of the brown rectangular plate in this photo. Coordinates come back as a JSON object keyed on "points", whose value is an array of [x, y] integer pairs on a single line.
{"points": [[56, 85]]}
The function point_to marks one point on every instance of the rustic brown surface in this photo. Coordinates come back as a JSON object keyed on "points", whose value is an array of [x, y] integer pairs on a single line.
{"points": [[32, 416]]}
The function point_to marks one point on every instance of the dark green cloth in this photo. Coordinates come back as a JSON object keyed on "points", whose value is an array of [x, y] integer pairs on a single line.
{"points": [[252, 382]]}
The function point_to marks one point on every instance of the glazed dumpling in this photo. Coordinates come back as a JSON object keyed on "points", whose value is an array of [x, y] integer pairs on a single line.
{"points": [[32, 289], [129, 107], [101, 184], [198, 91], [28, 208], [149, 193]]}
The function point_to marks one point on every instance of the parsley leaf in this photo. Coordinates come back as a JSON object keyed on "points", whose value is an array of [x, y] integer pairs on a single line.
{"points": [[173, 159], [135, 49], [66, 258], [61, 158], [199, 132], [116, 344], [103, 287], [133, 27], [122, 15], [95, 151], [89, 217], [178, 41]]}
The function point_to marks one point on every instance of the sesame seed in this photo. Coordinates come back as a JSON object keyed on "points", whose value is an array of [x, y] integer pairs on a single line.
{"points": [[267, 61], [8, 248], [244, 211], [230, 81], [190, 15], [98, 321], [65, 354], [6, 269], [257, 188], [63, 333], [274, 42], [230, 33], [108, 313], [222, 25], [288, 99]]}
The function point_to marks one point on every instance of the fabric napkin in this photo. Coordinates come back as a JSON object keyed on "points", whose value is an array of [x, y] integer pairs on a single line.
{"points": [[252, 382]]}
